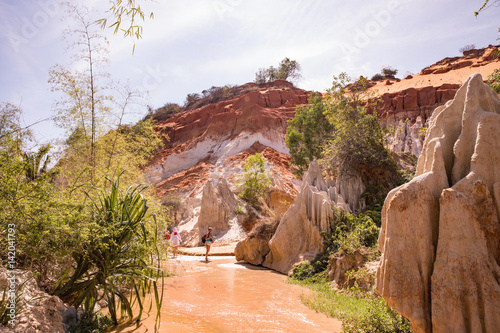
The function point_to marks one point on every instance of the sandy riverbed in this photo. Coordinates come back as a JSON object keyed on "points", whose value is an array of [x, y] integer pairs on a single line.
{"points": [[226, 296]]}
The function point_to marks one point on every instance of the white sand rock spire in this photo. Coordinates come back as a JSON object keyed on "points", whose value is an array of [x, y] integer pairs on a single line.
{"points": [[298, 236], [440, 236]]}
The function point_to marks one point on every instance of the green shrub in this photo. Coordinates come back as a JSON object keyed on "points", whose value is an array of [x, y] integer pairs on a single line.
{"points": [[375, 214], [377, 77], [312, 271], [190, 99], [165, 112], [349, 233], [92, 323], [388, 71], [240, 210], [494, 80], [303, 270], [374, 196], [287, 70], [422, 132], [378, 318], [45, 219], [324, 129], [255, 180], [212, 95], [307, 133], [363, 282], [357, 143]]}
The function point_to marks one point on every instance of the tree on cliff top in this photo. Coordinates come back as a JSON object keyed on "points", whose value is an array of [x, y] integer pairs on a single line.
{"points": [[307, 133], [337, 130], [288, 70], [388, 71], [358, 142]]}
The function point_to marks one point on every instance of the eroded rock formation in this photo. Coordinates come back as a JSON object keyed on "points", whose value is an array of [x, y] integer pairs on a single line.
{"points": [[406, 114], [217, 207], [440, 236], [298, 236], [210, 142], [252, 249], [41, 312], [217, 210]]}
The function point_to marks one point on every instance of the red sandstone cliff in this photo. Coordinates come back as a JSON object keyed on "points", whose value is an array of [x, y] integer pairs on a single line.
{"points": [[211, 143], [472, 58], [406, 105], [210, 136], [406, 114]]}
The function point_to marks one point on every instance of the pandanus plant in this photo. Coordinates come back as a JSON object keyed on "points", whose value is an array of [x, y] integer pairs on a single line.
{"points": [[115, 264]]}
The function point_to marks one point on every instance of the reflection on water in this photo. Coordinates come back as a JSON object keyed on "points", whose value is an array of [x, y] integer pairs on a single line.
{"points": [[225, 296]]}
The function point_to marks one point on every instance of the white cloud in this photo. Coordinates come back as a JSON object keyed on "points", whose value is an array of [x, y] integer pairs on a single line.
{"points": [[192, 45]]}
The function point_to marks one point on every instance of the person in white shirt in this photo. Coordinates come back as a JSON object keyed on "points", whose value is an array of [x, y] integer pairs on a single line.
{"points": [[176, 241]]}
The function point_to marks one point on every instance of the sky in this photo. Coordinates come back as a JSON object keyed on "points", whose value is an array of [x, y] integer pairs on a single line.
{"points": [[193, 45]]}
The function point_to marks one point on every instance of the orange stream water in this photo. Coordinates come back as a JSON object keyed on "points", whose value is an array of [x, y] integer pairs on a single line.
{"points": [[226, 296]]}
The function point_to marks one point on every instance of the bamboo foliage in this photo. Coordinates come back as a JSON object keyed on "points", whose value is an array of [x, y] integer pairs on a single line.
{"points": [[83, 105], [126, 15]]}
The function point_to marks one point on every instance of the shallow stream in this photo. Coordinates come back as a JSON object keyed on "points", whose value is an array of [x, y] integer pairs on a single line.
{"points": [[226, 296]]}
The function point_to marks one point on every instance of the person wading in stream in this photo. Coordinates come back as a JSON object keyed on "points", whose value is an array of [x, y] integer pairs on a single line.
{"points": [[209, 239], [176, 241]]}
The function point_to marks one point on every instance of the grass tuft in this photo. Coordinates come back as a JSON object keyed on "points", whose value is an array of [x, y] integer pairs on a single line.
{"points": [[369, 313]]}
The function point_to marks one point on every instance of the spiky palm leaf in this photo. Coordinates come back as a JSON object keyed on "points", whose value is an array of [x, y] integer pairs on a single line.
{"points": [[115, 257]]}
